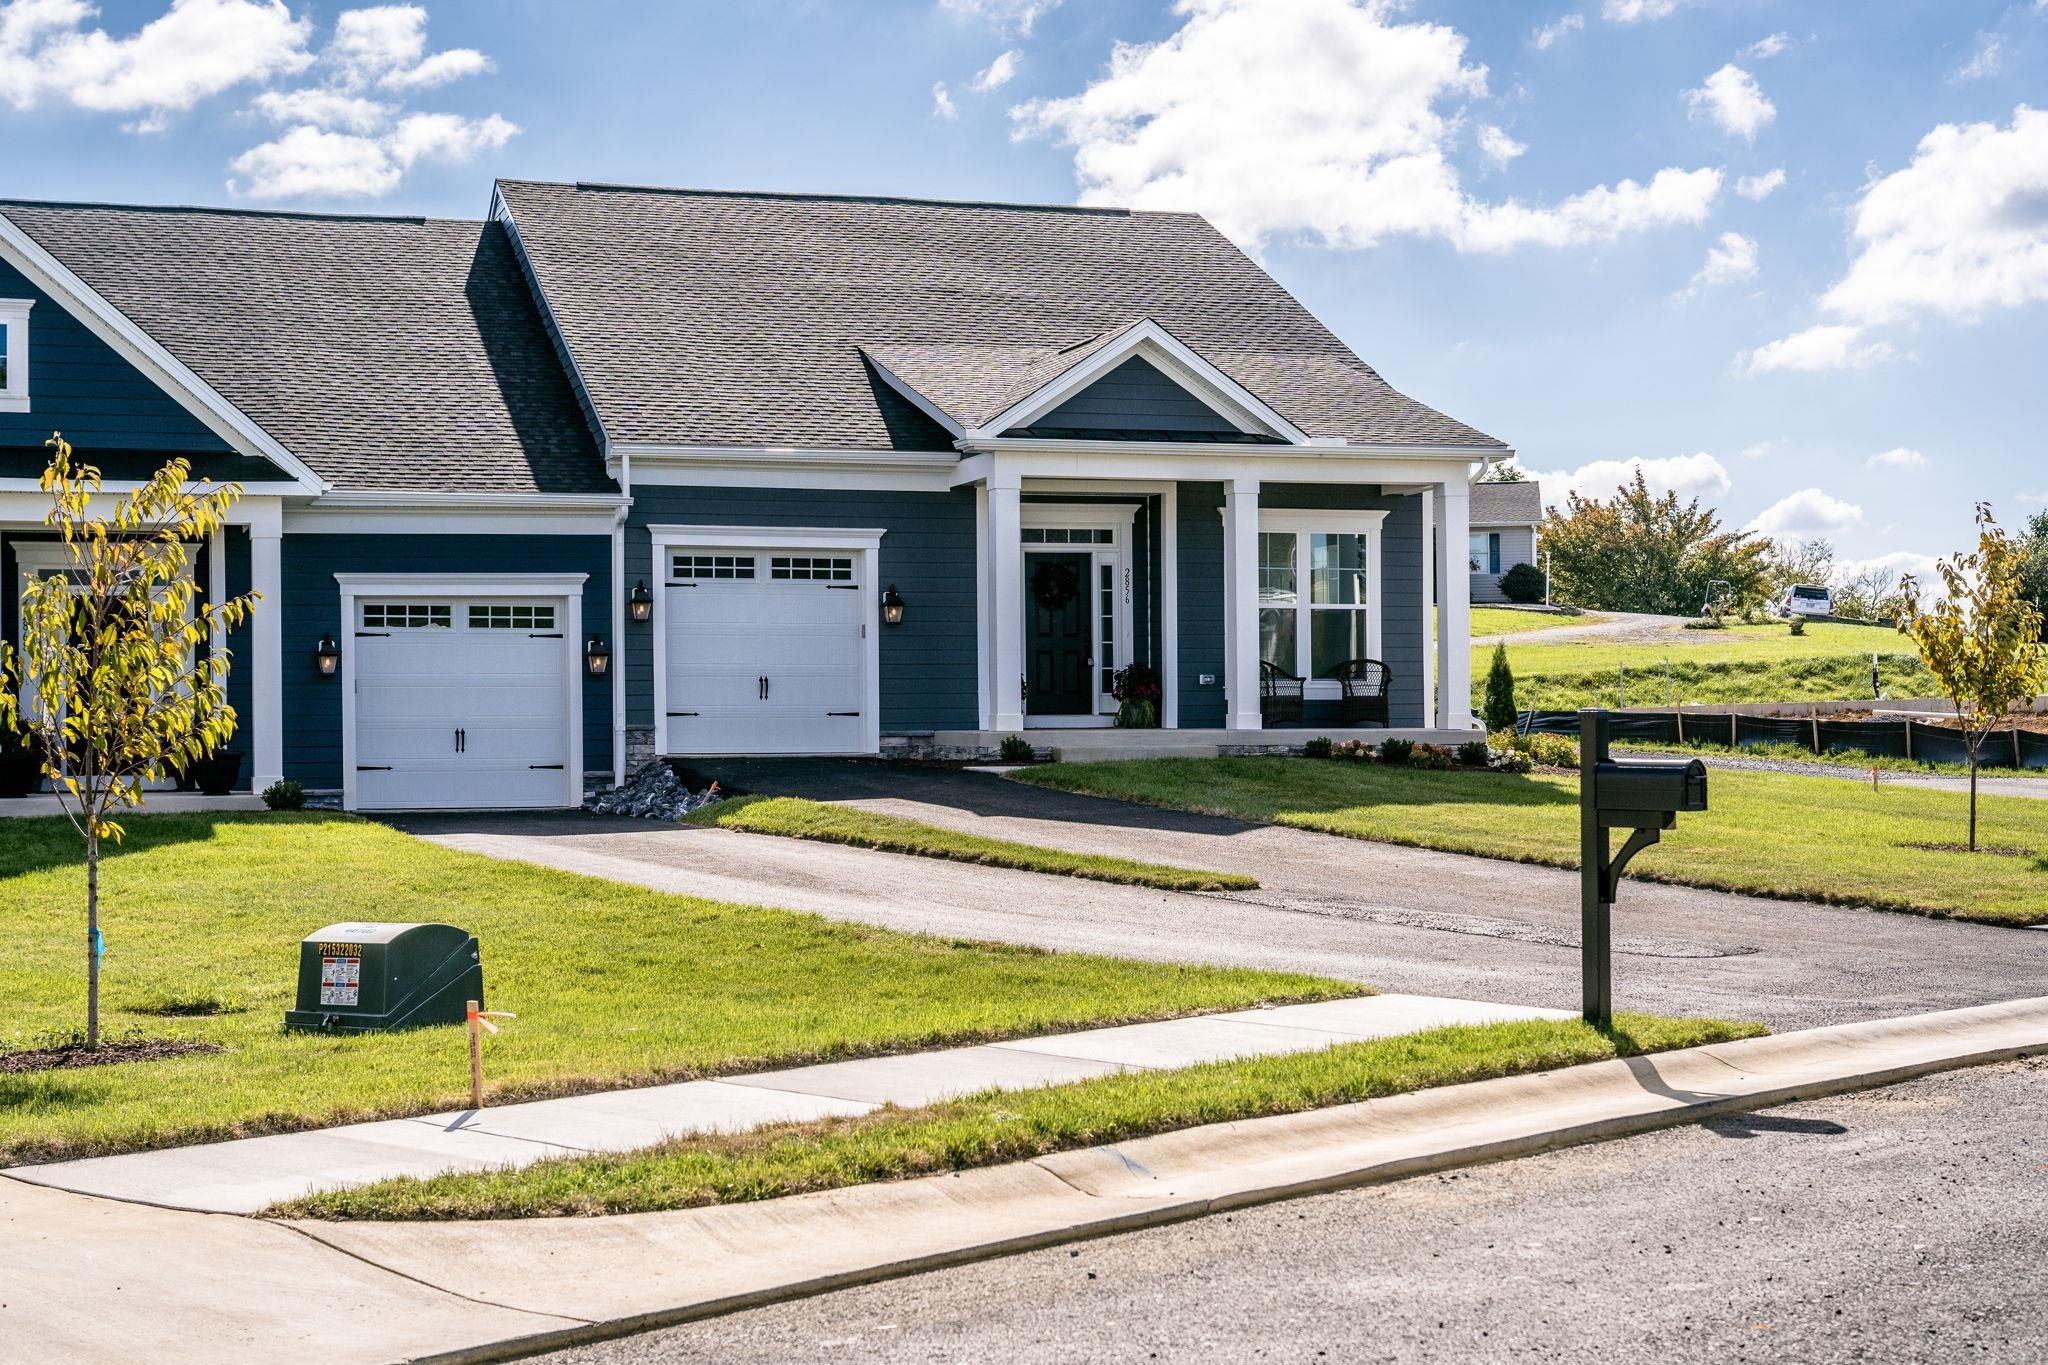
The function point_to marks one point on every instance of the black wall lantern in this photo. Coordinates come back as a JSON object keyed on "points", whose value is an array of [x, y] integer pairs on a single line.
{"points": [[327, 656], [640, 606], [597, 657], [892, 607]]}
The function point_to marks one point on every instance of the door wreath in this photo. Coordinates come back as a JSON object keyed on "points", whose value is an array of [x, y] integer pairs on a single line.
{"points": [[1054, 585]]}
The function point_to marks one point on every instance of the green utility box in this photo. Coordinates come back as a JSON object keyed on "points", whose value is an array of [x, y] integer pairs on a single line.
{"points": [[366, 978]]}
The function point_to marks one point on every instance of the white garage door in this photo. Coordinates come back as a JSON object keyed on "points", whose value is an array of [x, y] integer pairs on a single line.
{"points": [[765, 651], [460, 703]]}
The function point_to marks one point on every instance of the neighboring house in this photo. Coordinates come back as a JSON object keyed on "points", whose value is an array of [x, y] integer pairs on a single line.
{"points": [[622, 472], [1505, 519]]}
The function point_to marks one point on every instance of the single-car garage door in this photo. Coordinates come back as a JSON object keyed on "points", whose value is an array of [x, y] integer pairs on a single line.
{"points": [[461, 702], [765, 651]]}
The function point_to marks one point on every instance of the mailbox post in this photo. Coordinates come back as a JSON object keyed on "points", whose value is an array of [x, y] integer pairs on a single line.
{"points": [[1641, 797]]}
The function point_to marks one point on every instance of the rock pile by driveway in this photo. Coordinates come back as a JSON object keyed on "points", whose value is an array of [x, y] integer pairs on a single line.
{"points": [[653, 792]]}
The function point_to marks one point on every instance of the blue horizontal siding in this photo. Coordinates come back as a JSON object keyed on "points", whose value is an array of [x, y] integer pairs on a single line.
{"points": [[929, 679], [1136, 394]]}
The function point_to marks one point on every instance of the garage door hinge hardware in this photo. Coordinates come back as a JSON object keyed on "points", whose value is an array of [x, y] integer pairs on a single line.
{"points": [[549, 767], [373, 635], [682, 713], [842, 713], [842, 587], [373, 767], [538, 635]]}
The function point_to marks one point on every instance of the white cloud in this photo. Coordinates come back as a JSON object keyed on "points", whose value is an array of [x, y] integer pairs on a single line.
{"points": [[1760, 449], [1805, 515], [314, 161], [1826, 347], [386, 45], [1963, 229], [1318, 118], [1898, 457], [1734, 101], [999, 72], [1689, 476], [1496, 146], [1006, 16], [942, 102], [324, 109], [1635, 11], [1986, 59], [1731, 259], [194, 50], [1549, 34], [1896, 562], [1759, 187], [1763, 48]]}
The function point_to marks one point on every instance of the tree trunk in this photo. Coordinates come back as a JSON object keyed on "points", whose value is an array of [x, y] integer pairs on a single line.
{"points": [[1973, 798], [92, 938]]}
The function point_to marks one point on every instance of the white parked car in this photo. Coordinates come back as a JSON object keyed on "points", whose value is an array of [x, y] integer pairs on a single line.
{"points": [[1805, 599]]}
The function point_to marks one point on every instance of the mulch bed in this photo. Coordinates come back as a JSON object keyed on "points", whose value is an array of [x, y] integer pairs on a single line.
{"points": [[73, 1055], [2002, 850]]}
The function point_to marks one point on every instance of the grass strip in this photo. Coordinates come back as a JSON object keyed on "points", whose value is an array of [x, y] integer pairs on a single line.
{"points": [[997, 1127], [614, 985], [1768, 834], [797, 818]]}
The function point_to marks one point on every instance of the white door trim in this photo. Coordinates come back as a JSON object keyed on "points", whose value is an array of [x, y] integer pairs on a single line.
{"points": [[1120, 519], [865, 542], [566, 588]]}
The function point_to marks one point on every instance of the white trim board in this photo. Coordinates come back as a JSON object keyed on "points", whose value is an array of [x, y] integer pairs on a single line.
{"points": [[1302, 523], [14, 360]]}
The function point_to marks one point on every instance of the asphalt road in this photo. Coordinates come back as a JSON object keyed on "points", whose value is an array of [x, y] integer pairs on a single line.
{"points": [[1904, 1224], [1398, 918]]}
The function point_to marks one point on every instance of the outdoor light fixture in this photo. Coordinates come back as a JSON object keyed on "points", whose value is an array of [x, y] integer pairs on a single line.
{"points": [[597, 656], [640, 606], [892, 606], [327, 656]]}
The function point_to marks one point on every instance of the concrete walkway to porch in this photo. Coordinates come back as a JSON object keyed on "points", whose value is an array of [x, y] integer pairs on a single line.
{"points": [[154, 803], [251, 1174]]}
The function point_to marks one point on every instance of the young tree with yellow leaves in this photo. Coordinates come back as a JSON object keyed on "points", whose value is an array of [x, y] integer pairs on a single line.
{"points": [[114, 678], [1982, 640]]}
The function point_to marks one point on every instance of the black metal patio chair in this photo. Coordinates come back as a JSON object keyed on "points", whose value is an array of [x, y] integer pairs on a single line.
{"points": [[1365, 683], [1279, 695]]}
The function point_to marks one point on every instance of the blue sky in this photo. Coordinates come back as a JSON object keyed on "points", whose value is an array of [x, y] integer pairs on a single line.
{"points": [[1793, 256]]}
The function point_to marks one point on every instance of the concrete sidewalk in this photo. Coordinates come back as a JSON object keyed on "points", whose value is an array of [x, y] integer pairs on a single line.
{"points": [[187, 1287], [251, 1174]]}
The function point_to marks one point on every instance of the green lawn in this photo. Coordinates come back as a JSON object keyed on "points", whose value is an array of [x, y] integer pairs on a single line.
{"points": [[1851, 764], [988, 1129], [1513, 621], [800, 819], [613, 985], [1805, 838], [1831, 661]]}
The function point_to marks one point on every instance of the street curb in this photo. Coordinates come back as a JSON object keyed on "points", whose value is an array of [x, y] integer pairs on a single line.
{"points": [[1169, 1178]]}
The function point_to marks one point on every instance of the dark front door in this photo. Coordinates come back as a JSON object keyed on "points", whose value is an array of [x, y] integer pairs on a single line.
{"points": [[1059, 650]]}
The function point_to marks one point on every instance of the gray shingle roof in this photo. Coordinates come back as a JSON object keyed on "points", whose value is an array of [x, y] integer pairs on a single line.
{"points": [[716, 318], [974, 382], [1507, 504], [386, 353]]}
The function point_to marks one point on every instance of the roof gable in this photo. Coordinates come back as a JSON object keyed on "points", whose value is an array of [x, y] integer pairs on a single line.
{"points": [[1507, 504], [1134, 401]]}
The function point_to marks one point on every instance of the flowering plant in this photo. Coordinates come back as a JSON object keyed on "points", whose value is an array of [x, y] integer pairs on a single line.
{"points": [[1136, 688]]}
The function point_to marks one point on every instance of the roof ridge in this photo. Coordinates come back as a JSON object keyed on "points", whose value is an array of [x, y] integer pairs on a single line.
{"points": [[233, 212], [608, 187]]}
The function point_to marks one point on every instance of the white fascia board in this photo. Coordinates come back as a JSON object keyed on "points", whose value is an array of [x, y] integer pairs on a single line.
{"points": [[1297, 466], [463, 584], [1020, 445], [918, 400], [144, 352], [406, 513], [1181, 363], [779, 537], [651, 455], [398, 498]]}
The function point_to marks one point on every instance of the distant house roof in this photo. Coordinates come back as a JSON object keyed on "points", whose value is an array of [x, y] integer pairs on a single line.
{"points": [[1507, 504], [714, 318], [386, 353]]}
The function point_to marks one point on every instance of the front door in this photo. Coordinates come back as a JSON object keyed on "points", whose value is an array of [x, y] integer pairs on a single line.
{"points": [[1059, 648]]}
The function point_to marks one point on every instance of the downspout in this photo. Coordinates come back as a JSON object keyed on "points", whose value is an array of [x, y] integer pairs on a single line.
{"points": [[619, 622]]}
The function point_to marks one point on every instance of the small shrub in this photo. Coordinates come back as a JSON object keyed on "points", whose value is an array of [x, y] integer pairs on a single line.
{"points": [[1319, 747], [284, 794], [1352, 751], [1472, 754], [1395, 753], [1508, 760], [1434, 757], [1550, 751], [1499, 708], [1707, 623], [1523, 583], [1017, 749], [1798, 626]]}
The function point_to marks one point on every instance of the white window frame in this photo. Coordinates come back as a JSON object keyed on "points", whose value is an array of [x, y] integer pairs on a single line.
{"points": [[564, 589], [1119, 518], [14, 317], [1301, 525], [865, 544]]}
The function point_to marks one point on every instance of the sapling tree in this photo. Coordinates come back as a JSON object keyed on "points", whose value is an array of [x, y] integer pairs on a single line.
{"points": [[1982, 639], [114, 680], [1499, 710]]}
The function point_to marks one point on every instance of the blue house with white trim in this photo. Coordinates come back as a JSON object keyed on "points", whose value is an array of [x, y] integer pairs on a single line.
{"points": [[623, 472]]}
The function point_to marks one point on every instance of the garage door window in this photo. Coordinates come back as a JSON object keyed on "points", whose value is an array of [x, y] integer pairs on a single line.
{"points": [[499, 616], [687, 567], [816, 568], [407, 616]]}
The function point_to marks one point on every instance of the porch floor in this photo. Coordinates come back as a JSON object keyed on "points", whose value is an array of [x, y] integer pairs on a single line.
{"points": [[1090, 745]]}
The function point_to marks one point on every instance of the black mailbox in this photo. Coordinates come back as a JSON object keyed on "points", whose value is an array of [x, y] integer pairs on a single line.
{"points": [[365, 978], [1635, 786]]}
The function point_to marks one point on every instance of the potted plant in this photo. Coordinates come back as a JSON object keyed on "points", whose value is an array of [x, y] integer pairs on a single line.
{"points": [[21, 764], [218, 772], [1137, 691]]}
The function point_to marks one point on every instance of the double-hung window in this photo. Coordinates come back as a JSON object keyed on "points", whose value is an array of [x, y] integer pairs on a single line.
{"points": [[14, 354], [1319, 590]]}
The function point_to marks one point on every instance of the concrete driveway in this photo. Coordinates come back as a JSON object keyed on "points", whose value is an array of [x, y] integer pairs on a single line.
{"points": [[1402, 919]]}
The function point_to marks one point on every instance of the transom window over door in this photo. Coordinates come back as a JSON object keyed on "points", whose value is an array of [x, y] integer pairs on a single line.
{"points": [[1318, 589]]}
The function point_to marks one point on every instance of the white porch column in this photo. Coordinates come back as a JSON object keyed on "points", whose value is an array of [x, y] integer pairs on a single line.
{"points": [[1453, 610], [1003, 606], [1241, 604], [266, 669]]}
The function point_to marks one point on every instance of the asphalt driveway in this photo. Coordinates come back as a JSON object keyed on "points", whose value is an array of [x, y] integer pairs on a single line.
{"points": [[1402, 919]]}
